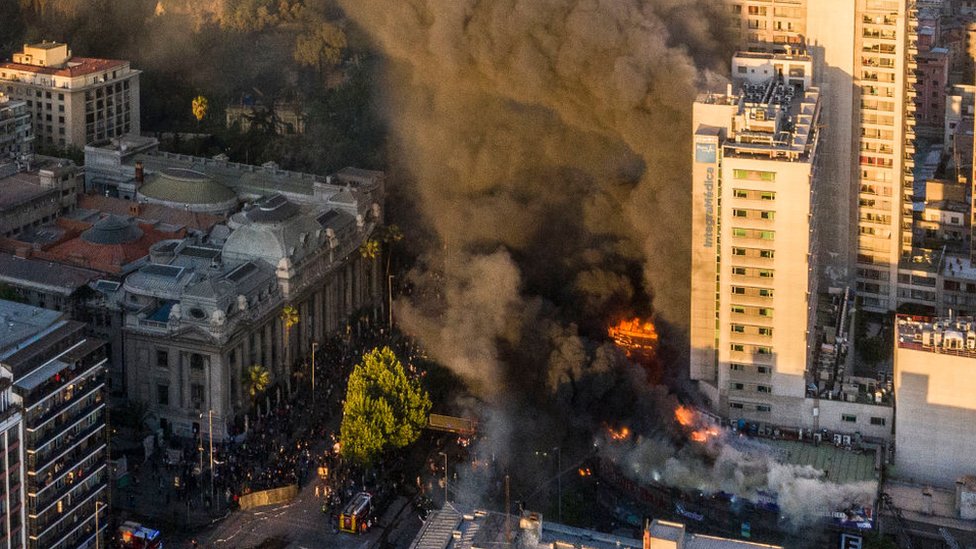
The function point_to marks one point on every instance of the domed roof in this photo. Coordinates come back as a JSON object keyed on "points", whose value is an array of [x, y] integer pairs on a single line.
{"points": [[112, 229], [271, 209], [184, 186]]}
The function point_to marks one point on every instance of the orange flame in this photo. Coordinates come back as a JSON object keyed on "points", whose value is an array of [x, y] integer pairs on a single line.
{"points": [[703, 431], [585, 471], [684, 415], [634, 335], [620, 434]]}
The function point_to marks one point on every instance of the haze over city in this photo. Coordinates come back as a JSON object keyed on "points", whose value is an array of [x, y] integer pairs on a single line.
{"points": [[456, 275]]}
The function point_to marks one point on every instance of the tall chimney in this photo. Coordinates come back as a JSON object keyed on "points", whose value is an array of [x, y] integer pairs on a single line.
{"points": [[140, 174]]}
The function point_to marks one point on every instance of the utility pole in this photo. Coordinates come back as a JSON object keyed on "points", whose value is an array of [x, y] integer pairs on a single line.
{"points": [[508, 514], [559, 482], [389, 293], [212, 498], [315, 346]]}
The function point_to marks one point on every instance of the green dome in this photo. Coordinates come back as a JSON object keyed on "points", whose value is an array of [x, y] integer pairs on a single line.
{"points": [[180, 186]]}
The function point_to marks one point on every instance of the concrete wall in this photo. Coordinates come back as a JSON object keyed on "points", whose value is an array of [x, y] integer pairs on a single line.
{"points": [[935, 416]]}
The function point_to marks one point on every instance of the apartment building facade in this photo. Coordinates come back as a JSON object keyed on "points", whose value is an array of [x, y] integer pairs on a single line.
{"points": [[73, 100], [864, 54], [12, 508], [58, 380], [16, 137]]}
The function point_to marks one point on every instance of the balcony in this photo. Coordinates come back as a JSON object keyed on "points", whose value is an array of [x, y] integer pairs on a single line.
{"points": [[57, 431]]}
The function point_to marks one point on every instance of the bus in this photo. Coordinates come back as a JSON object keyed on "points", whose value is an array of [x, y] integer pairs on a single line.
{"points": [[355, 516]]}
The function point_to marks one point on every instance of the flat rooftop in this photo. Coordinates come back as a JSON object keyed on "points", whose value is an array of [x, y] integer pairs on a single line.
{"points": [[839, 465], [19, 323], [53, 277], [953, 336], [76, 66]]}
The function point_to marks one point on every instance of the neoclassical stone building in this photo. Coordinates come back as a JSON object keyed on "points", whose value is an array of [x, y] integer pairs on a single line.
{"points": [[204, 308]]}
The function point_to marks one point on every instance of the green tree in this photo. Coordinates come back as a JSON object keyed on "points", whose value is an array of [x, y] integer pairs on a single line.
{"points": [[321, 47], [385, 409]]}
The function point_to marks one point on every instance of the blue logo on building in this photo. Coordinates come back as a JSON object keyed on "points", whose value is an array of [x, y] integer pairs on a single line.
{"points": [[705, 152]]}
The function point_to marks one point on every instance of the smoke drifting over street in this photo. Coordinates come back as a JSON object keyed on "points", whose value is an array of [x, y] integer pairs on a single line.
{"points": [[547, 143]]}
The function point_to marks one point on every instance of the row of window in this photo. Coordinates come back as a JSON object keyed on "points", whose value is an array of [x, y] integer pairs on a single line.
{"points": [[740, 232], [752, 291], [753, 349], [750, 272], [764, 331], [757, 311], [753, 252], [754, 214], [759, 388], [851, 418], [736, 367], [758, 407]]}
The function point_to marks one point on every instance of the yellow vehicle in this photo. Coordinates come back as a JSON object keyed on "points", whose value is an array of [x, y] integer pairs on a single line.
{"points": [[355, 517]]}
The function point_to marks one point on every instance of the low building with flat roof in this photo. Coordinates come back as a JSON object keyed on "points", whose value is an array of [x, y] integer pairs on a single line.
{"points": [[935, 399]]}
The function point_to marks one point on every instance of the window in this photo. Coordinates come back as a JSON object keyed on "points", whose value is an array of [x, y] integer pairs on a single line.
{"points": [[764, 389], [196, 361], [740, 271], [848, 418], [736, 367], [162, 358], [754, 175], [735, 405], [162, 395], [763, 369], [764, 331], [738, 290], [765, 273], [736, 193], [766, 254], [738, 251], [740, 213], [738, 329], [738, 386], [738, 347], [763, 408], [762, 350], [740, 232], [767, 215], [767, 195], [738, 310], [767, 235], [196, 393], [765, 292], [877, 421]]}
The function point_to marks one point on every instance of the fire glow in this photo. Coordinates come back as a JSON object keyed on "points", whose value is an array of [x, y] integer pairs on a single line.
{"points": [[618, 435], [634, 336], [701, 429]]}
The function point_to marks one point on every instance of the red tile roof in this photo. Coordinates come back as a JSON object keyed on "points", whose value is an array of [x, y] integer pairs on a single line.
{"points": [[77, 66], [149, 212]]}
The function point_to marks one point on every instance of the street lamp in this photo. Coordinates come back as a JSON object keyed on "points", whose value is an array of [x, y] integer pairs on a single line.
{"points": [[315, 346], [389, 293], [98, 544], [445, 475], [210, 431], [559, 482]]}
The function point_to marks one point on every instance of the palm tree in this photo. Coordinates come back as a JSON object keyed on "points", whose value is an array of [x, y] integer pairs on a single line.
{"points": [[289, 319], [256, 381]]}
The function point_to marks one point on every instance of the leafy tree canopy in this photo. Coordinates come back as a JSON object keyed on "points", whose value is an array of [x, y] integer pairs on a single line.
{"points": [[385, 409]]}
